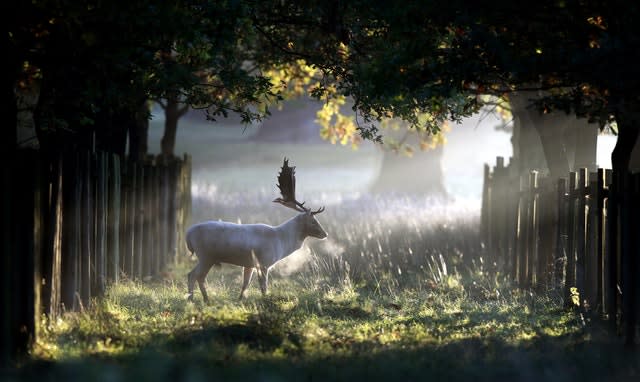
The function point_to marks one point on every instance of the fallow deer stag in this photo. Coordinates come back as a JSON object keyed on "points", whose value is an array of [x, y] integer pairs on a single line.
{"points": [[252, 246]]}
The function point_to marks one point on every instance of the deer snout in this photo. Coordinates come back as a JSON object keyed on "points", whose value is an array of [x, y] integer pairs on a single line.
{"points": [[318, 232]]}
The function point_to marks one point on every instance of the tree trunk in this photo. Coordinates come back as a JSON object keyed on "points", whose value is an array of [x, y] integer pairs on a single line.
{"points": [[586, 144], [527, 148], [550, 129], [173, 111], [421, 173], [139, 133], [627, 139]]}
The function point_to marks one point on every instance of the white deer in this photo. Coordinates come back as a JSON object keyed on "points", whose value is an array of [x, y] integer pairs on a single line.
{"points": [[252, 246]]}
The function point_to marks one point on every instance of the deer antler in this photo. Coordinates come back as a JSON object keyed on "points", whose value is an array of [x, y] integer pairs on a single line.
{"points": [[287, 186]]}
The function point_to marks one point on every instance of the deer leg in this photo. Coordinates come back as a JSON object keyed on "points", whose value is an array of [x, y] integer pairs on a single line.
{"points": [[247, 273], [263, 277], [191, 281], [198, 273], [201, 277]]}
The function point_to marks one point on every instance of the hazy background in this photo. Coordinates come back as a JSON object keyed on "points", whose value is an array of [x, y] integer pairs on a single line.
{"points": [[228, 156]]}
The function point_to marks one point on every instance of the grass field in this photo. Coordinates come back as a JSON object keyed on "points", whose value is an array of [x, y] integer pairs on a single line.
{"points": [[399, 291]]}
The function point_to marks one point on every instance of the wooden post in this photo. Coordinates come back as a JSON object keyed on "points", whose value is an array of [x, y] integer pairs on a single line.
{"points": [[7, 247], [534, 233], [139, 215], [164, 211], [147, 203], [55, 240], [591, 238], [484, 213], [580, 234], [627, 258], [113, 231], [173, 207], [130, 219], [101, 223], [523, 233], [570, 272], [561, 234], [548, 228], [157, 216], [87, 227], [612, 259]]}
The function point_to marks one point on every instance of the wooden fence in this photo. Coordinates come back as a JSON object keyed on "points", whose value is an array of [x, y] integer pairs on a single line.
{"points": [[576, 234], [75, 222]]}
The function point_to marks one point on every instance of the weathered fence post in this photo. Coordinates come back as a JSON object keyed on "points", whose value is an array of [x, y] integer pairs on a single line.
{"points": [[561, 234], [138, 214], [628, 254], [100, 222], [580, 234], [612, 261], [86, 252], [601, 244], [523, 233], [485, 220], [570, 272], [72, 195], [113, 223], [591, 239]]}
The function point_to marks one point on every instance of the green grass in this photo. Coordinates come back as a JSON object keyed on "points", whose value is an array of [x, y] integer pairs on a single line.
{"points": [[401, 290], [456, 328]]}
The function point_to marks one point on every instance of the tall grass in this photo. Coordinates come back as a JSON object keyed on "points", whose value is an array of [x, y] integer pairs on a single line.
{"points": [[399, 291], [392, 238]]}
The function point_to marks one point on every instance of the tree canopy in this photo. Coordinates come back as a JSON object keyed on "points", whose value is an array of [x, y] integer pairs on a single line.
{"points": [[422, 62]]}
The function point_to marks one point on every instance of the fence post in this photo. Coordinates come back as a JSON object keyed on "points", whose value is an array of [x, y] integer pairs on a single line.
{"points": [[101, 223], [547, 228], [601, 232], [612, 261], [534, 234], [570, 272], [54, 242], [560, 260], [485, 222], [523, 232], [164, 211], [113, 224], [130, 219], [86, 252], [591, 247], [138, 214], [580, 234], [627, 257]]}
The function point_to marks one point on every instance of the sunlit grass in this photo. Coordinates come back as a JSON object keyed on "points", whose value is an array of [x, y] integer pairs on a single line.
{"points": [[402, 295]]}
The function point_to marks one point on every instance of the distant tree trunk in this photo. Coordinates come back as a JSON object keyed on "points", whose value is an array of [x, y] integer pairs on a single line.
{"points": [[420, 173], [173, 111], [582, 143], [628, 131], [550, 128], [139, 133], [566, 143], [527, 148]]}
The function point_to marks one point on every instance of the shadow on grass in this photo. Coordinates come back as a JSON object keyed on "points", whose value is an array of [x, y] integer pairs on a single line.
{"points": [[199, 355]]}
